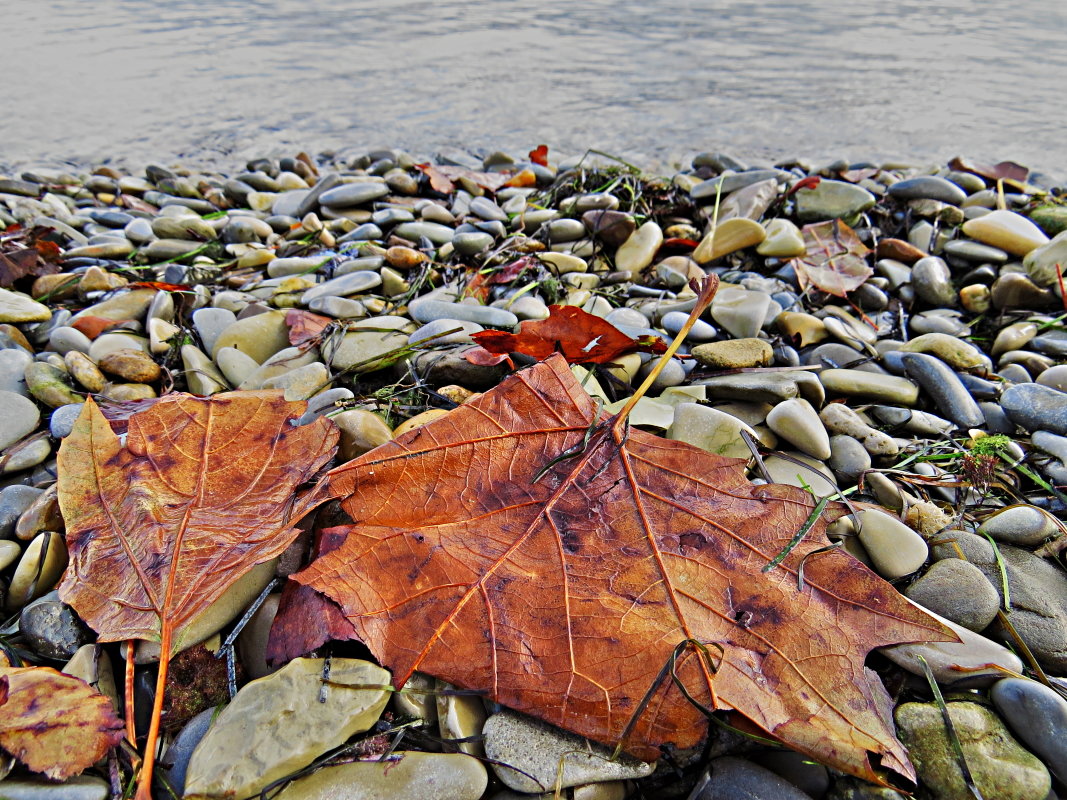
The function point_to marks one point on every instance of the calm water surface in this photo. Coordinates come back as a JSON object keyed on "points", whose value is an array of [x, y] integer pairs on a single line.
{"points": [[218, 81]]}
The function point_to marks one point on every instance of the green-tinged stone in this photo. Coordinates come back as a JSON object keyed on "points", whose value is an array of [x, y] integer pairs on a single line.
{"points": [[49, 385], [1001, 768]]}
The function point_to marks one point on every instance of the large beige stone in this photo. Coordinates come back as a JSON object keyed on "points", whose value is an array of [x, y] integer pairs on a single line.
{"points": [[259, 336], [16, 307], [1007, 230], [402, 776], [277, 725]]}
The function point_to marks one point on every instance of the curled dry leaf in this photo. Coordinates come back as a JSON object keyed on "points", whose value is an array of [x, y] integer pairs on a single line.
{"points": [[1006, 170], [53, 723], [539, 155], [580, 337], [836, 260], [443, 178], [560, 587], [24, 253]]}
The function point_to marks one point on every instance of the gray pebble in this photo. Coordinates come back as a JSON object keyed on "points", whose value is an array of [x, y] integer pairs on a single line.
{"points": [[739, 779], [323, 403], [949, 395], [848, 458], [463, 336], [1038, 716], [19, 419], [932, 281], [210, 323], [175, 763], [61, 423], [1036, 407], [13, 363], [52, 629], [929, 187], [350, 283], [14, 500], [435, 232], [429, 310], [957, 590], [348, 195]]}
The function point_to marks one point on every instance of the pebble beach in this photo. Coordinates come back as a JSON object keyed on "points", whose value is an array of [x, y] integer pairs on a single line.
{"points": [[890, 333]]}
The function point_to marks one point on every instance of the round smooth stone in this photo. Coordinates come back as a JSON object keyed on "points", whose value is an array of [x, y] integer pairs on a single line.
{"points": [[673, 321], [933, 281], [471, 243], [957, 590], [895, 549], [405, 775], [640, 248], [928, 187], [739, 778], [20, 418], [338, 307], [1006, 230], [52, 629], [352, 283], [1036, 407], [353, 194], [1054, 378], [435, 232], [210, 323], [63, 418], [64, 339], [38, 571], [832, 200], [1020, 525], [797, 422], [429, 310], [439, 326], [949, 394]]}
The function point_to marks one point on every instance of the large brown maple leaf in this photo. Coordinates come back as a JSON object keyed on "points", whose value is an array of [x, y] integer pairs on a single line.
{"points": [[563, 592]]}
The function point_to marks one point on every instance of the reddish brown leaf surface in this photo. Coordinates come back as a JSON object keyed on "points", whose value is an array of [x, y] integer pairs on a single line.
{"points": [[53, 723], [836, 259], [564, 596], [443, 178], [539, 155], [580, 337], [202, 492], [1008, 170], [307, 619], [304, 325], [24, 253]]}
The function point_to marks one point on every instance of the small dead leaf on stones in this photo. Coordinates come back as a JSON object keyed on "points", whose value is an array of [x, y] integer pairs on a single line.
{"points": [[24, 253], [53, 723], [836, 260]]}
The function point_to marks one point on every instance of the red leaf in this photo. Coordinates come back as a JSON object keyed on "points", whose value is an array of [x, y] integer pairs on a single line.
{"points": [[580, 337], [539, 155], [481, 357], [94, 326], [160, 286], [478, 287]]}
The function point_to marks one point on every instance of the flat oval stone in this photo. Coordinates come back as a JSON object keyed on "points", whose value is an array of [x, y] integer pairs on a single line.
{"points": [[798, 423], [1036, 407], [933, 281], [974, 251], [710, 429], [16, 307], [251, 744], [783, 240], [974, 661], [1021, 525], [955, 352], [1006, 230], [78, 787], [949, 394], [739, 778], [870, 386], [20, 418], [638, 251], [725, 184], [404, 775], [895, 549], [259, 336], [38, 571], [959, 591], [352, 283], [832, 200], [930, 187], [430, 310], [348, 195], [435, 232]]}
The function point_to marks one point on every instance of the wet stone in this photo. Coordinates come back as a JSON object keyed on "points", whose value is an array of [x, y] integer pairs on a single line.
{"points": [[20, 417], [402, 776], [733, 777], [1020, 525], [949, 394], [52, 629], [14, 500], [61, 423], [930, 187]]}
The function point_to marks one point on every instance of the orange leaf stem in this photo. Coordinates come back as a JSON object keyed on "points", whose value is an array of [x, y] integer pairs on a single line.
{"points": [[144, 779]]}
